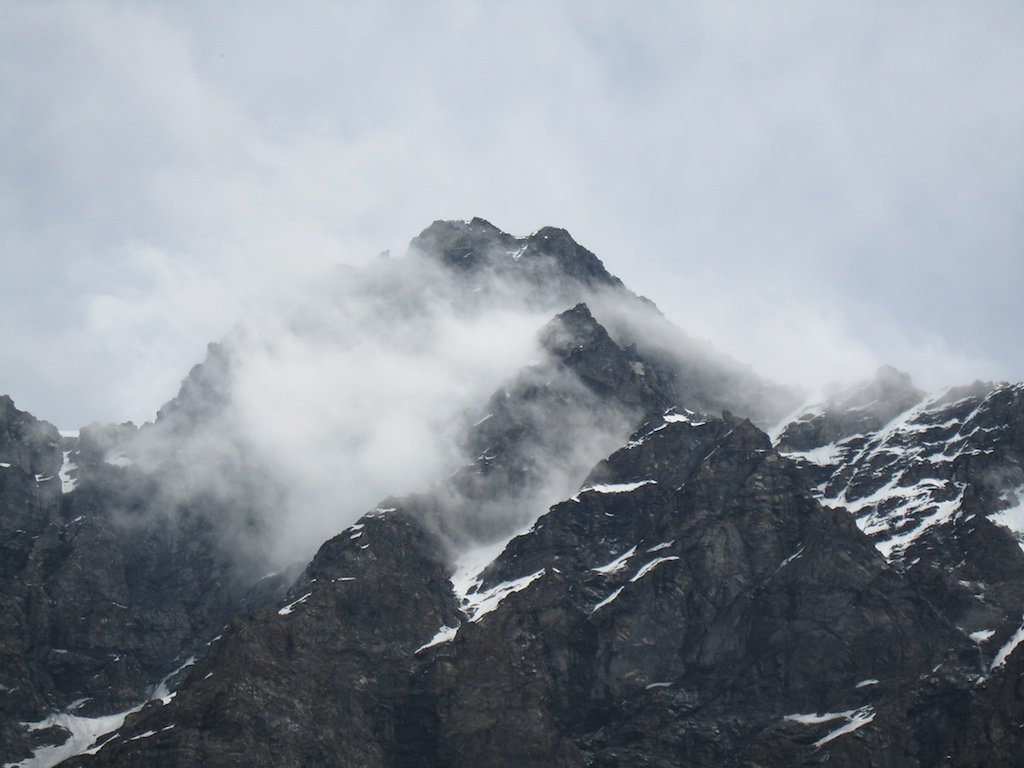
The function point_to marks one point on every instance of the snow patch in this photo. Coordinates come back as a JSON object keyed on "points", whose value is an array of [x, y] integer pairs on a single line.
{"points": [[469, 566], [444, 635], [918, 443], [855, 718], [466, 579], [661, 546], [161, 691], [479, 604], [1008, 648], [640, 440], [683, 418], [865, 683], [824, 456], [790, 559], [291, 606], [651, 566], [816, 719], [944, 512], [982, 635], [615, 487], [607, 600], [85, 733], [859, 719], [617, 564]]}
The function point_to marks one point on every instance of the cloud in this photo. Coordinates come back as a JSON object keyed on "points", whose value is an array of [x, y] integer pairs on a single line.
{"points": [[364, 391], [861, 157], [362, 384]]}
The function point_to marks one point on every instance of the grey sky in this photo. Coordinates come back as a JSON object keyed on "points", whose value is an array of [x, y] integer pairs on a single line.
{"points": [[815, 187]]}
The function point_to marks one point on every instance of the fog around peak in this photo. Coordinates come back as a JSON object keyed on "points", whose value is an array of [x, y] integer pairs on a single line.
{"points": [[815, 189], [474, 376], [363, 384]]}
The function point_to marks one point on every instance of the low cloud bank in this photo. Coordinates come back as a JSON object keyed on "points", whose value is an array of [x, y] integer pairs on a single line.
{"points": [[361, 385]]}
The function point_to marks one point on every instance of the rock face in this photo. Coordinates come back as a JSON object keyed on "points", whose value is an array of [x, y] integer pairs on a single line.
{"points": [[938, 489], [615, 576], [549, 260], [322, 679], [105, 589], [704, 612]]}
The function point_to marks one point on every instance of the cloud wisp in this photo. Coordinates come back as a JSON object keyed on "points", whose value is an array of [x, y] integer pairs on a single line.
{"points": [[362, 385]]}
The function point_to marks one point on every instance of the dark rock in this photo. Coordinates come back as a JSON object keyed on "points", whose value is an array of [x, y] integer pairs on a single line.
{"points": [[203, 393], [26, 443], [547, 259], [322, 679]]}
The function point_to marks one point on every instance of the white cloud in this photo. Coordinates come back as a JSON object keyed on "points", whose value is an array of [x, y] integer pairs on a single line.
{"points": [[861, 158]]}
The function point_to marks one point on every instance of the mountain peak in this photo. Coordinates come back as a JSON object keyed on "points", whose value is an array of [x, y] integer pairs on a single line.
{"points": [[549, 254], [863, 407]]}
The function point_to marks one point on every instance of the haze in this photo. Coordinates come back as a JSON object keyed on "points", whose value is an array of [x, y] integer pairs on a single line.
{"points": [[817, 188]]}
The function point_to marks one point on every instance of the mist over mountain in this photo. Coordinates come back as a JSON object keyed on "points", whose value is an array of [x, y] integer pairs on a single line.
{"points": [[481, 504]]}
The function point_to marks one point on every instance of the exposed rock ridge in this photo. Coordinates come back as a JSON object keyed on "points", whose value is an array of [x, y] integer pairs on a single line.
{"points": [[550, 254]]}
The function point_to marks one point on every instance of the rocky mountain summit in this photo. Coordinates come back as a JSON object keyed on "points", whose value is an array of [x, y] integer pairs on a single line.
{"points": [[633, 560]]}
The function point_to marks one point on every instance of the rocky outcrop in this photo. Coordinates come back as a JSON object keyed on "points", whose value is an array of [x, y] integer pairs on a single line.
{"points": [[203, 395], [27, 444], [549, 260], [325, 677], [106, 587]]}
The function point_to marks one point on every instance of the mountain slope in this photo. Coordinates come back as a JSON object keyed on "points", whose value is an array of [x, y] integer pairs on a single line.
{"points": [[937, 486], [725, 620], [595, 570]]}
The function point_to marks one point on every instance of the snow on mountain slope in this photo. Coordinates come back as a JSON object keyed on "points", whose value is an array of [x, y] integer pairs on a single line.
{"points": [[935, 483], [910, 474]]}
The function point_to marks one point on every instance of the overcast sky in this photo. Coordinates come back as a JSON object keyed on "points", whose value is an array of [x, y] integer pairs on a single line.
{"points": [[817, 187]]}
